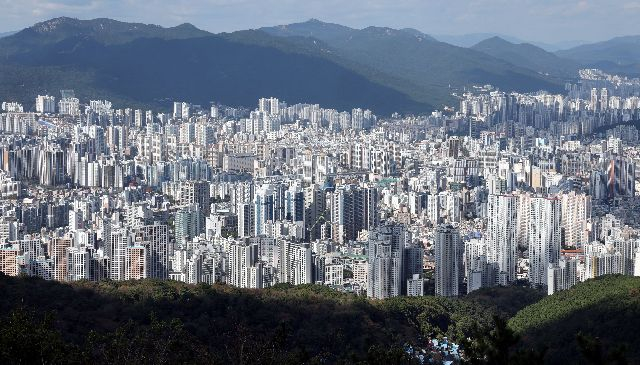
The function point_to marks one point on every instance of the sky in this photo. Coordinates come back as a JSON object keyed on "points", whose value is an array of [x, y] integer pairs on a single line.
{"points": [[550, 21]]}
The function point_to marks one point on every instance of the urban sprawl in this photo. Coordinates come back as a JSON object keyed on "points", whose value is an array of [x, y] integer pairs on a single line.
{"points": [[508, 189]]}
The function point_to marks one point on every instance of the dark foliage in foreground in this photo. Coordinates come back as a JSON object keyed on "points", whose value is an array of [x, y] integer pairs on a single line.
{"points": [[166, 322], [156, 322]]}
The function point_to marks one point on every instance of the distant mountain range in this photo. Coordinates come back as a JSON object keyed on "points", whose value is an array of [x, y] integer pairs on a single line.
{"points": [[468, 40], [415, 63], [383, 69], [529, 56], [620, 50], [617, 55], [149, 66]]}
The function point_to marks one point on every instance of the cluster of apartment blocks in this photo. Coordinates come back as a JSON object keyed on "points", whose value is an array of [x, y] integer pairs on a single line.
{"points": [[316, 188]]}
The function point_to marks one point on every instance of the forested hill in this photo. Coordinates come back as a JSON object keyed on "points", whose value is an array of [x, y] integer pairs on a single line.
{"points": [[154, 322], [600, 316], [139, 65]]}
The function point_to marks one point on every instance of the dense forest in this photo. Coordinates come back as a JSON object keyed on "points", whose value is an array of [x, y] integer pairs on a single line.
{"points": [[155, 322], [600, 316]]}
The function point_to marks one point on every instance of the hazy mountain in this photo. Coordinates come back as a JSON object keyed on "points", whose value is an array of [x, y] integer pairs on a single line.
{"points": [[326, 32], [415, 63], [529, 56], [620, 51], [6, 34], [557, 46], [104, 31], [380, 68], [418, 33], [468, 40], [150, 65], [631, 70], [312, 28]]}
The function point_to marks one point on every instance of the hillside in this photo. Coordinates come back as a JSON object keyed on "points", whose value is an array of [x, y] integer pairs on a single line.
{"points": [[116, 322], [618, 51], [152, 66], [415, 63], [529, 56], [141, 65], [103, 31], [153, 321], [606, 309], [6, 34], [313, 28], [471, 39], [505, 300]]}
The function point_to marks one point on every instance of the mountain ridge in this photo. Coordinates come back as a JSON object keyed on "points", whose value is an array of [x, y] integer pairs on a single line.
{"points": [[373, 67], [529, 56], [106, 61], [420, 65], [623, 50]]}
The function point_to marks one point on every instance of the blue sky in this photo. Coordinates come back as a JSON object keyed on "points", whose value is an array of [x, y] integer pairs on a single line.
{"points": [[533, 20]]}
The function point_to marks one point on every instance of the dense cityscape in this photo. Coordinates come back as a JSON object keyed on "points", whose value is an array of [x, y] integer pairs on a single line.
{"points": [[509, 189], [319, 182]]}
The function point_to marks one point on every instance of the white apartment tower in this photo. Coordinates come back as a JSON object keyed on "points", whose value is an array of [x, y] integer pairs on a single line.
{"points": [[295, 263], [243, 256], [544, 237], [46, 104], [576, 211], [562, 276], [502, 215]]}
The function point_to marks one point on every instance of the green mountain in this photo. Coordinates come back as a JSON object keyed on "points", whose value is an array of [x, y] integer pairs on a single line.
{"points": [[605, 310], [141, 65], [103, 31], [529, 56], [415, 63], [150, 66], [470, 39], [170, 322], [619, 51], [312, 28]]}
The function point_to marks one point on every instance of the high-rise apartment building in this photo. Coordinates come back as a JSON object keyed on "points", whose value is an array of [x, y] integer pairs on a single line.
{"points": [[45, 104], [544, 237], [59, 246], [386, 275], [154, 238], [449, 272], [502, 217]]}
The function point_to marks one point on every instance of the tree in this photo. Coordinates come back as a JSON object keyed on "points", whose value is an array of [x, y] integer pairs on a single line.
{"points": [[593, 353], [27, 339], [498, 347]]}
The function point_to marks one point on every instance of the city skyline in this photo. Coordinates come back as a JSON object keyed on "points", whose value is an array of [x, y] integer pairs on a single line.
{"points": [[549, 21], [349, 186], [510, 190]]}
